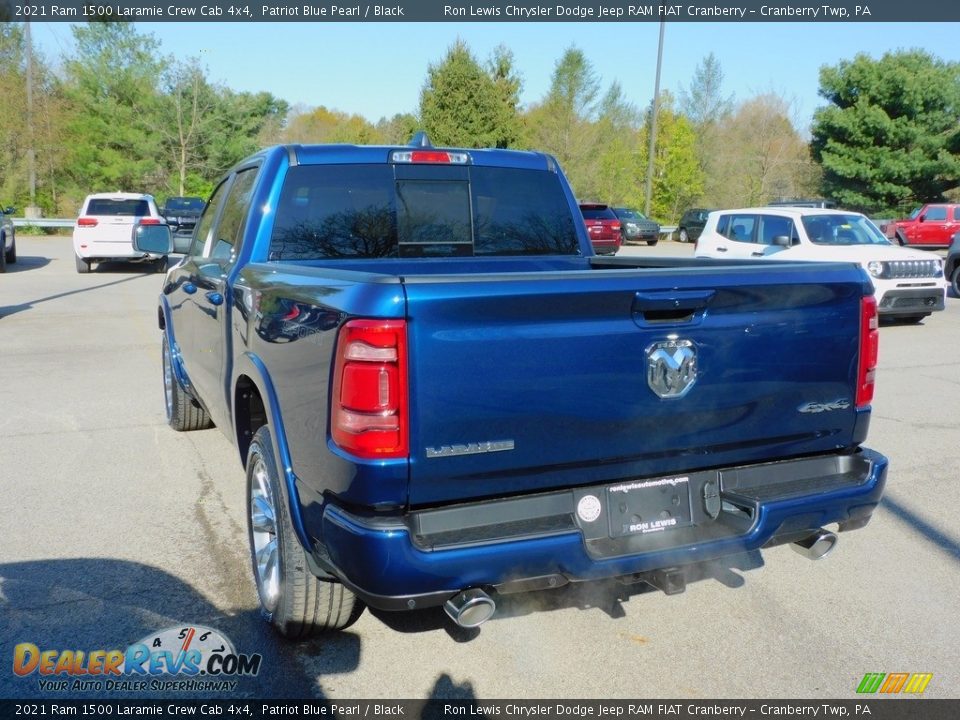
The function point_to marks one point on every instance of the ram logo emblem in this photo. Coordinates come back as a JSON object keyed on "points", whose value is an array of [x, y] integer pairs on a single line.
{"points": [[671, 367]]}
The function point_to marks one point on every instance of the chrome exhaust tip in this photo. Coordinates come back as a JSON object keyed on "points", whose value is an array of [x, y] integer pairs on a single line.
{"points": [[817, 545], [471, 608]]}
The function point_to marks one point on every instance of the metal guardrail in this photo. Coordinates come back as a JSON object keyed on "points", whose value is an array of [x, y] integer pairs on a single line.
{"points": [[44, 222]]}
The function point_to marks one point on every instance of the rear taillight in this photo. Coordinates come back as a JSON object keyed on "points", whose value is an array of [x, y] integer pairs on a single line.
{"points": [[869, 349], [148, 221], [86, 222], [615, 227], [369, 411]]}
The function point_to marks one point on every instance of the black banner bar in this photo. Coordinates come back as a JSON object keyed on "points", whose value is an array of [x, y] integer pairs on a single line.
{"points": [[871, 707], [478, 11]]}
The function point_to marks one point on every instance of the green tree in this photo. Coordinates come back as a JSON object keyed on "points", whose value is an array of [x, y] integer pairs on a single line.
{"points": [[708, 109], [890, 136], [112, 89], [461, 105], [617, 180], [507, 84], [761, 155], [185, 125], [677, 175], [321, 125], [13, 138], [399, 129], [563, 123]]}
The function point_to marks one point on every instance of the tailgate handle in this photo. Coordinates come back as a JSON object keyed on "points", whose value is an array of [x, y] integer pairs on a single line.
{"points": [[671, 305]]}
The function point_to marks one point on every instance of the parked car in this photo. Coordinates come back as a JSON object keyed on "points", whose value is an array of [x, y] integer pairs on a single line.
{"points": [[637, 227], [104, 229], [603, 226], [439, 394], [8, 239], [181, 214], [951, 268], [909, 284], [929, 226], [691, 224]]}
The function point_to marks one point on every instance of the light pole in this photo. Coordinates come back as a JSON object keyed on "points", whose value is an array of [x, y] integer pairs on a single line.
{"points": [[653, 122]]}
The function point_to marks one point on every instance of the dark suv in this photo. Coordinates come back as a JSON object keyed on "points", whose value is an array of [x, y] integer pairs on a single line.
{"points": [[181, 214], [691, 224], [951, 267], [8, 240], [637, 227]]}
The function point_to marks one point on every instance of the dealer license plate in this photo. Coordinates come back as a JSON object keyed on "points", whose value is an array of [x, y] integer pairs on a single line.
{"points": [[649, 506]]}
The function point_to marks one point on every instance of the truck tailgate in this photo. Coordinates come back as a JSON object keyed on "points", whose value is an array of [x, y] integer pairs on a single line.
{"points": [[527, 382]]}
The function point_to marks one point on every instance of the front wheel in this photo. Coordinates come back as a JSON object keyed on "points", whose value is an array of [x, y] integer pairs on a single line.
{"points": [[11, 255], [292, 599], [684, 238], [955, 281], [651, 243]]}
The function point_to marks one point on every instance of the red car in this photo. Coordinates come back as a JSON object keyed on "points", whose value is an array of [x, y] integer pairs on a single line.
{"points": [[929, 226], [603, 227]]}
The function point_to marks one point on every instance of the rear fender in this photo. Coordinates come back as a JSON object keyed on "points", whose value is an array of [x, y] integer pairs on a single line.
{"points": [[254, 368]]}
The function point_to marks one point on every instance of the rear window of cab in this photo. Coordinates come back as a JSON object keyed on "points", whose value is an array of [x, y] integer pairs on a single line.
{"points": [[400, 211]]}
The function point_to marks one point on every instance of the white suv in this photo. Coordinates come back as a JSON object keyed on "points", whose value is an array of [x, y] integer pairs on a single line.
{"points": [[104, 230], [908, 284]]}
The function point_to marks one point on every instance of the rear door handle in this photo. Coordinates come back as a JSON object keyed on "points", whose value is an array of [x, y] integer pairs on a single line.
{"points": [[756, 254], [215, 298], [721, 249]]}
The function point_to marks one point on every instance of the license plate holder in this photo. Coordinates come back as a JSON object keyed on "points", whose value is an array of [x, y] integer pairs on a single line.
{"points": [[649, 506]]}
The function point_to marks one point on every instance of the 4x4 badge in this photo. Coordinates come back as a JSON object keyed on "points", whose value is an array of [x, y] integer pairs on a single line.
{"points": [[671, 367]]}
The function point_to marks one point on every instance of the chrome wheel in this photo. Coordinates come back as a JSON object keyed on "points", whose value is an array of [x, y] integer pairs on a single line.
{"points": [[684, 237], [263, 530]]}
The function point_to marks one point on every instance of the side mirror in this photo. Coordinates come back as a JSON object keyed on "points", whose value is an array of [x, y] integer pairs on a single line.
{"points": [[153, 239], [9, 210], [782, 240], [922, 218]]}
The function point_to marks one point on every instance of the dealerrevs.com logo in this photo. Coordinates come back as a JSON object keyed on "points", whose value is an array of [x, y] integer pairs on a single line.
{"points": [[175, 659]]}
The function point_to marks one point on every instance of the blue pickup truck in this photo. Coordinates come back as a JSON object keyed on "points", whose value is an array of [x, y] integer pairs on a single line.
{"points": [[441, 396]]}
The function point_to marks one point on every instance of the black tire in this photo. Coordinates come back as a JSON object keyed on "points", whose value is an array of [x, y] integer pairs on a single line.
{"points": [[684, 238], [160, 264], [11, 255], [901, 240], [183, 412], [3, 257], [955, 281], [651, 243], [292, 599], [83, 266]]}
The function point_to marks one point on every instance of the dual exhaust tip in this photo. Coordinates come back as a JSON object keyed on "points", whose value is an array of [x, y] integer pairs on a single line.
{"points": [[472, 608]]}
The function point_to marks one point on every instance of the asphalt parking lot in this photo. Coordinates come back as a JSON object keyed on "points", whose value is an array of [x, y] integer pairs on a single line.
{"points": [[114, 527]]}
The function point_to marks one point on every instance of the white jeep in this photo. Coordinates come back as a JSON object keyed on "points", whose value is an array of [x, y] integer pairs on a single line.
{"points": [[908, 284]]}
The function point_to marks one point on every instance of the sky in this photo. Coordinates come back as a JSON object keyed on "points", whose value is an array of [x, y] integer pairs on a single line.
{"points": [[378, 69]]}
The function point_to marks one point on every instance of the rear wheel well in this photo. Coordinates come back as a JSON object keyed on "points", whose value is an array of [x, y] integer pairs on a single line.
{"points": [[249, 414]]}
